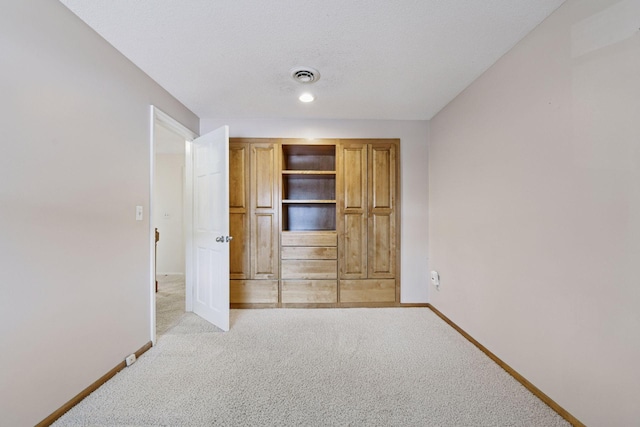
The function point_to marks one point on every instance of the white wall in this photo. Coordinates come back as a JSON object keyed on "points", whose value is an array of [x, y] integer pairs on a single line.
{"points": [[167, 208], [74, 163], [535, 209], [414, 177]]}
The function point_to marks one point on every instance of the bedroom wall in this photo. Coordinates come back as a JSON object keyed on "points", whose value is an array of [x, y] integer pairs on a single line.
{"points": [[413, 180], [74, 163], [535, 209]]}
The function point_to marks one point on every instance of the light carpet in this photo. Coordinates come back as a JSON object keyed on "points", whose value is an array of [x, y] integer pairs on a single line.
{"points": [[304, 367], [169, 301]]}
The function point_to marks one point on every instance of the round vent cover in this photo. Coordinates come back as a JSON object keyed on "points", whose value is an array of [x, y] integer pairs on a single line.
{"points": [[305, 74]]}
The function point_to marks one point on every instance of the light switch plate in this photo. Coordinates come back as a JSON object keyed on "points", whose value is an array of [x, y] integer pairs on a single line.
{"points": [[435, 279], [139, 213]]}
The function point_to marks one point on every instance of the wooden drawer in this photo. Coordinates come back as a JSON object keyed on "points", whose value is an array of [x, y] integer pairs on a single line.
{"points": [[309, 238], [309, 291], [309, 269], [305, 252], [368, 290], [253, 291]]}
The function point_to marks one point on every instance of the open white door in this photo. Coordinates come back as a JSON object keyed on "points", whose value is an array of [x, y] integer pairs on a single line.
{"points": [[211, 227]]}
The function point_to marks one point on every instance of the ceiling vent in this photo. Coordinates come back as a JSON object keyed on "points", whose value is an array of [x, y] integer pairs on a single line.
{"points": [[305, 75]]}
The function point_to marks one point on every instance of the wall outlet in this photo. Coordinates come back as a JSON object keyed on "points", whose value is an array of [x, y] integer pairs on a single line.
{"points": [[130, 360], [435, 279]]}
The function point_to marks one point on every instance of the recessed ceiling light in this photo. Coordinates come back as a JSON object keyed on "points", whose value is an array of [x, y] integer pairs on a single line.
{"points": [[306, 97]]}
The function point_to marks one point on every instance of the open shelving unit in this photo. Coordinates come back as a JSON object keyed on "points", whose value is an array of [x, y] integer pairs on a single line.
{"points": [[308, 187]]}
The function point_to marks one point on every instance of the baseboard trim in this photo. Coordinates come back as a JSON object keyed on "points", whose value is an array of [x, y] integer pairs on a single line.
{"points": [[244, 305], [87, 391], [522, 380]]}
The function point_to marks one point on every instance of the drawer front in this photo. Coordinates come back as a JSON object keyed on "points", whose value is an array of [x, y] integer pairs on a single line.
{"points": [[309, 238], [309, 291], [305, 252], [253, 291], [368, 290], [309, 269]]}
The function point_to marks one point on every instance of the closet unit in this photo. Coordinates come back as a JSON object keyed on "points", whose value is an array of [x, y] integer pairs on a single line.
{"points": [[253, 221], [314, 222], [367, 205]]}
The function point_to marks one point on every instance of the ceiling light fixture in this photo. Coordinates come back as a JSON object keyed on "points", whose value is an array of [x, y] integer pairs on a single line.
{"points": [[306, 97]]}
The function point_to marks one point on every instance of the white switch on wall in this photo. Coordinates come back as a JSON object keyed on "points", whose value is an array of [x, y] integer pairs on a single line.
{"points": [[139, 213]]}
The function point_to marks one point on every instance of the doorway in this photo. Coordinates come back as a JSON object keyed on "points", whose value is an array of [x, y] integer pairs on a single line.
{"points": [[170, 217], [168, 223]]}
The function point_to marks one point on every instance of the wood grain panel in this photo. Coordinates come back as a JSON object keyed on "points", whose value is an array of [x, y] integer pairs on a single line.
{"points": [[263, 247], [309, 269], [239, 226], [309, 291], [238, 247], [264, 210], [253, 291], [353, 261], [264, 176], [382, 218], [382, 176], [303, 252], [368, 290], [238, 159], [309, 238], [352, 216], [382, 246], [354, 177]]}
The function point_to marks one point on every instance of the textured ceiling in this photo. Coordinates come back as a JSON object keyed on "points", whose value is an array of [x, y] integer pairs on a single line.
{"points": [[378, 59]]}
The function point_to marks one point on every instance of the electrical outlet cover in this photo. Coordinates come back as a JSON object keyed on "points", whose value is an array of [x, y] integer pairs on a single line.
{"points": [[130, 359]]}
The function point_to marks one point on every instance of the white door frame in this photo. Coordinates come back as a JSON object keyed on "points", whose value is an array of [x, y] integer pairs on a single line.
{"points": [[159, 117]]}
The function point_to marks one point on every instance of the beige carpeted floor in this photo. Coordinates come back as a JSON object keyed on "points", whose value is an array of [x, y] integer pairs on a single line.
{"points": [[169, 302], [329, 367]]}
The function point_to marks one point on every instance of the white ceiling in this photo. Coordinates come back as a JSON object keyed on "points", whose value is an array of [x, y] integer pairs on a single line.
{"points": [[378, 59]]}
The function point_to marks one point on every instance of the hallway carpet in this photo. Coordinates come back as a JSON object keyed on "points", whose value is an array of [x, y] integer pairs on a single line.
{"points": [[169, 301], [323, 367]]}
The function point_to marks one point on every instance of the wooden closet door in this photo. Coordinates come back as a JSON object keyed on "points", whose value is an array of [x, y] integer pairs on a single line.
{"points": [[382, 211], [264, 211], [352, 199], [239, 210]]}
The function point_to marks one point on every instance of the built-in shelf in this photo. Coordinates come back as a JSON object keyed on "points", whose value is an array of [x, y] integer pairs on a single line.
{"points": [[308, 157], [301, 172], [308, 187], [306, 202], [308, 216]]}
